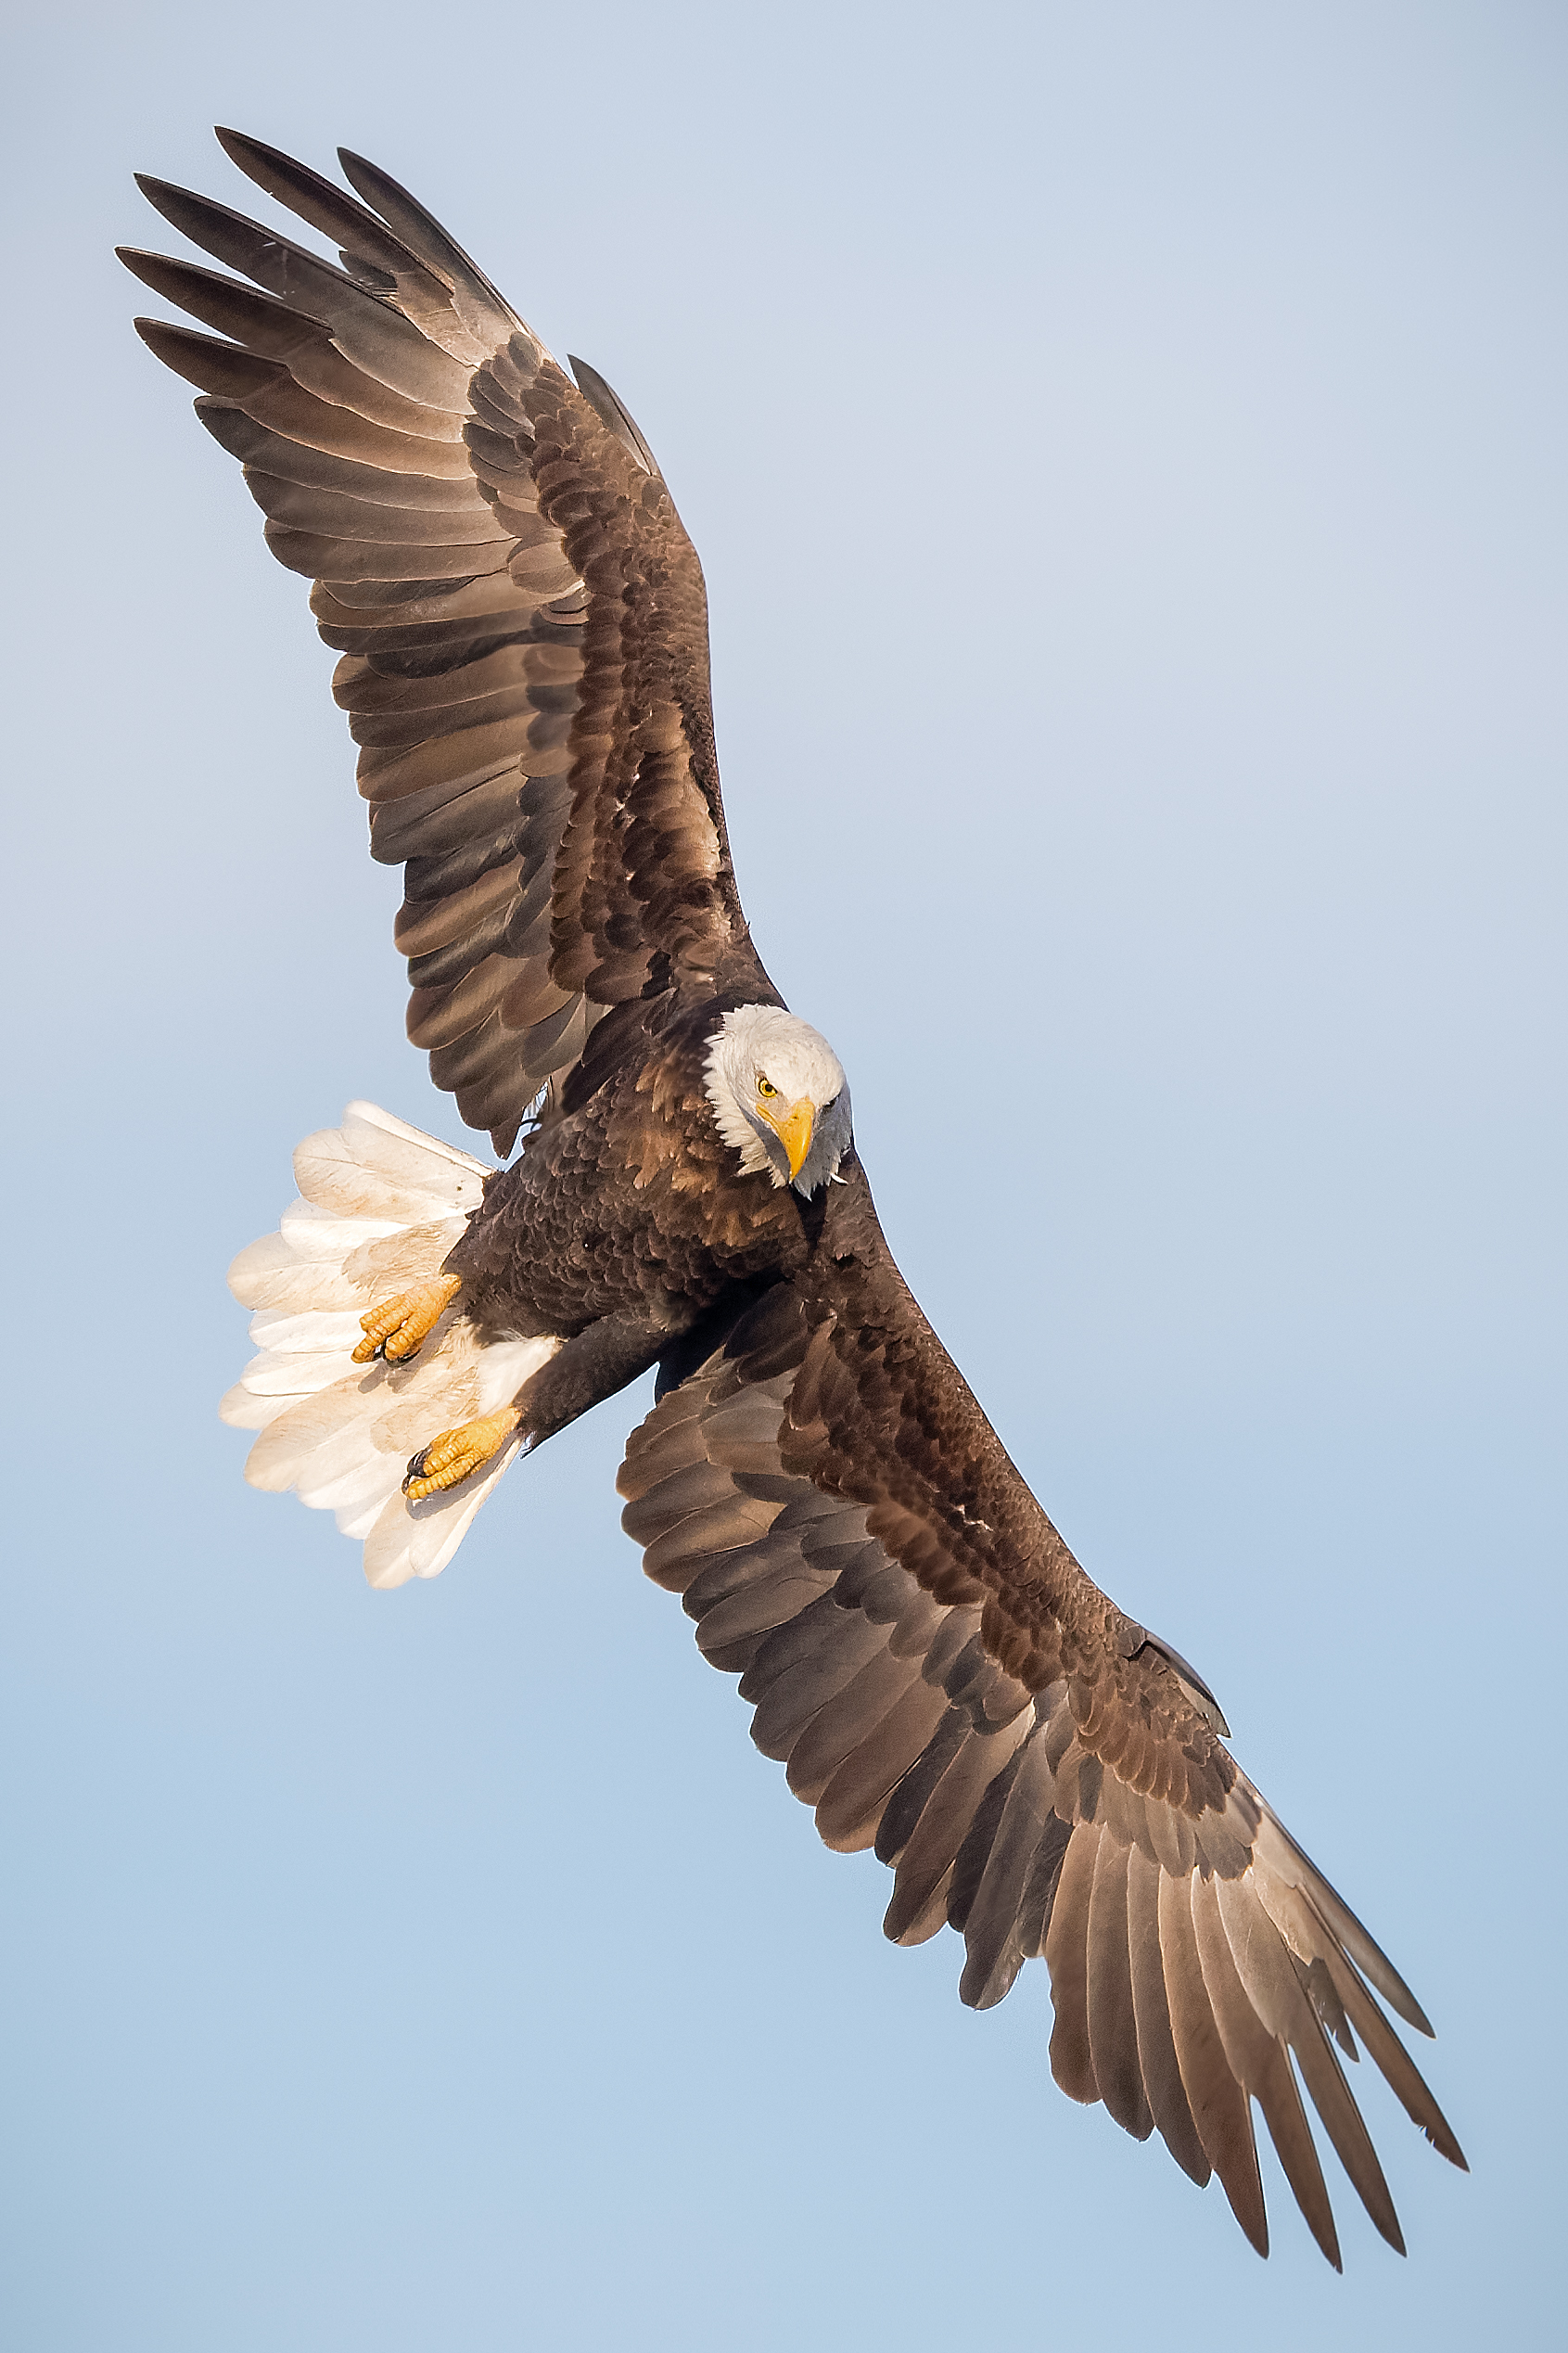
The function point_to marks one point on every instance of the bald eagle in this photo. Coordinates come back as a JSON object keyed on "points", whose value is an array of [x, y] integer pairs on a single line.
{"points": [[523, 630]]}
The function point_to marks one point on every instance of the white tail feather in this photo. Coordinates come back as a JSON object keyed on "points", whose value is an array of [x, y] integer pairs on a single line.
{"points": [[381, 1206]]}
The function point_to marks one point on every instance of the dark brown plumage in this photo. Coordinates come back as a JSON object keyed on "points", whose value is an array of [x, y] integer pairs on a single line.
{"points": [[628, 1196], [521, 616], [523, 628]]}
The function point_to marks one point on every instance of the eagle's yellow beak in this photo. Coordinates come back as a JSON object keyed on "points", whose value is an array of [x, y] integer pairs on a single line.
{"points": [[793, 1129]]}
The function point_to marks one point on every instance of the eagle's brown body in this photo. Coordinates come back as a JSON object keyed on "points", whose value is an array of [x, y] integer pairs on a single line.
{"points": [[624, 1224], [523, 628], [629, 1206]]}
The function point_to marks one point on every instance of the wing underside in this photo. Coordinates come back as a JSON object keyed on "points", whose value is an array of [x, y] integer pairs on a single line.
{"points": [[520, 616], [1083, 1811]]}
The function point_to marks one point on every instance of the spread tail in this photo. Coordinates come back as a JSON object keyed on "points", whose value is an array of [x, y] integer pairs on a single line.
{"points": [[380, 1206]]}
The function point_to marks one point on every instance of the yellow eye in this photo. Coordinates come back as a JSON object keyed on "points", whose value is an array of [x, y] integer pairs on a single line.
{"points": [[765, 1087]]}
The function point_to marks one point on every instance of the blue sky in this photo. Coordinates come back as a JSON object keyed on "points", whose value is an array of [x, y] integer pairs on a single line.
{"points": [[1125, 450]]}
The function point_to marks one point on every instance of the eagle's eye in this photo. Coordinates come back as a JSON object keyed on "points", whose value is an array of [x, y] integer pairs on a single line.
{"points": [[765, 1087]]}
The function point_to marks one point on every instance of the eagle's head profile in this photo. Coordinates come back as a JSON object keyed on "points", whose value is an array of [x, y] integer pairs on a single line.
{"points": [[779, 1096]]}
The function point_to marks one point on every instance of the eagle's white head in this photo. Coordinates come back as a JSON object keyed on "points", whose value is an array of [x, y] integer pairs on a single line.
{"points": [[779, 1097]]}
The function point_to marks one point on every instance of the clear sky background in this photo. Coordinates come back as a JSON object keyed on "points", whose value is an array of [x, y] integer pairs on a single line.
{"points": [[1125, 444]]}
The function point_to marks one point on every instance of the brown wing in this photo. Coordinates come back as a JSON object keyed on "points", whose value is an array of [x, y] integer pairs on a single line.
{"points": [[941, 1680], [521, 616]]}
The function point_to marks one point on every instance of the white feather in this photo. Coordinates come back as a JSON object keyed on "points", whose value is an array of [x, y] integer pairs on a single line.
{"points": [[365, 1169], [288, 1335], [313, 1233], [753, 1043], [242, 1411], [417, 1540], [297, 1372], [381, 1206], [372, 1115]]}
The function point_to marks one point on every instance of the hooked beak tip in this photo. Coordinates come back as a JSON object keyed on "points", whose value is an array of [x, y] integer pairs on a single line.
{"points": [[793, 1132]]}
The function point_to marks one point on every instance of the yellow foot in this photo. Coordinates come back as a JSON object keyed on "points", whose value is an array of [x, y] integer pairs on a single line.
{"points": [[398, 1327], [455, 1454]]}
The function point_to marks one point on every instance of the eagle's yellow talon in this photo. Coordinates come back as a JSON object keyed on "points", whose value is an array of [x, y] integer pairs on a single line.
{"points": [[455, 1454], [397, 1328]]}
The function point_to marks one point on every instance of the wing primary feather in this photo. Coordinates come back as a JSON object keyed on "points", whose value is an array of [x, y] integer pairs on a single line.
{"points": [[1304, 1929], [257, 445], [1217, 2102], [1066, 1955], [1258, 2061], [1113, 2026], [1393, 2062], [1280, 1850], [1157, 2061], [1275, 1992], [377, 342], [315, 199], [1320, 1990], [425, 236], [209, 361]]}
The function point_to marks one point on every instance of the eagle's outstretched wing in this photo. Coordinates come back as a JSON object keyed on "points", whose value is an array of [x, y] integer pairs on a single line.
{"points": [[521, 616], [942, 1680]]}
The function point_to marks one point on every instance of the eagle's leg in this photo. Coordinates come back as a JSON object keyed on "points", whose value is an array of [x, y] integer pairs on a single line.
{"points": [[398, 1327], [582, 1373], [451, 1457]]}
